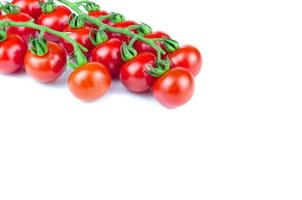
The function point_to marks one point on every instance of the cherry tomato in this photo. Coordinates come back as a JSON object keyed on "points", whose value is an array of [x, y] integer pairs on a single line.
{"points": [[57, 20], [81, 35], [12, 51], [187, 57], [97, 14], [30, 7], [123, 24], [46, 68], [109, 54], [133, 73], [143, 47], [174, 88], [25, 33], [90, 81]]}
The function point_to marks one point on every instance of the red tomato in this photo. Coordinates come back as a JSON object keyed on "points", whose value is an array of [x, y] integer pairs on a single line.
{"points": [[97, 14], [187, 57], [12, 51], [143, 47], [46, 68], [81, 35], [25, 33], [109, 54], [133, 73], [30, 7], [90, 81], [123, 24], [174, 88], [57, 20]]}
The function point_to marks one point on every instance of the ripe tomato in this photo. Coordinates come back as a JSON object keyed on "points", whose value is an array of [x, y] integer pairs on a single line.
{"points": [[133, 73], [25, 33], [123, 24], [90, 81], [46, 68], [57, 20], [187, 57], [174, 88], [12, 51], [81, 35], [143, 47], [30, 7], [97, 14], [109, 54]]}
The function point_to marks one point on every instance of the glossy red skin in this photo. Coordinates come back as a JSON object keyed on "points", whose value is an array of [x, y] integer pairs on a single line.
{"points": [[175, 88], [188, 57], [97, 14], [143, 47], [123, 24], [133, 73], [81, 35], [90, 81], [46, 68], [25, 33], [12, 52], [109, 54], [30, 7], [57, 20]]}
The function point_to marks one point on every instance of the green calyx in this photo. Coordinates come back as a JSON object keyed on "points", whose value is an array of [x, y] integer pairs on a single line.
{"points": [[76, 21], [98, 36], [48, 7], [3, 35], [128, 52], [90, 6], [144, 29], [116, 18], [38, 46], [163, 66], [77, 59], [170, 45], [9, 8]]}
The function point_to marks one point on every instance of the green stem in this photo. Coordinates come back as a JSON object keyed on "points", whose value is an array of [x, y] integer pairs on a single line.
{"points": [[42, 33], [133, 27], [158, 58], [158, 39], [80, 2], [132, 41], [127, 32], [78, 48], [104, 17]]}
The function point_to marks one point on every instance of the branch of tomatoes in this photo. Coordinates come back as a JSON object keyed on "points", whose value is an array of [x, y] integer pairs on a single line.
{"points": [[141, 58]]}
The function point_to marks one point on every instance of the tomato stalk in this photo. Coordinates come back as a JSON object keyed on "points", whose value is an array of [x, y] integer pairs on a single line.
{"points": [[78, 48], [75, 8], [163, 65]]}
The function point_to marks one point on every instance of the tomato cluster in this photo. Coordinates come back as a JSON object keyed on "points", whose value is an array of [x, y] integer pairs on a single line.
{"points": [[164, 68]]}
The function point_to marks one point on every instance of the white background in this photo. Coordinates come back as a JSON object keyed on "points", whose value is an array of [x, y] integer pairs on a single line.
{"points": [[239, 138]]}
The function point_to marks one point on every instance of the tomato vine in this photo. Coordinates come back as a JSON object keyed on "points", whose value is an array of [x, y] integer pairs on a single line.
{"points": [[115, 47]]}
